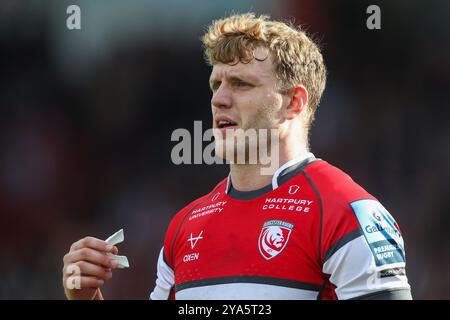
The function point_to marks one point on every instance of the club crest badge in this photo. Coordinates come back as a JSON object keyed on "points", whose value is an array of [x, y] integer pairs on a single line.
{"points": [[273, 238]]}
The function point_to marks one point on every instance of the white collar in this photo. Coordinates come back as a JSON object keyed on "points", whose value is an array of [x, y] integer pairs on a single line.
{"points": [[288, 164]]}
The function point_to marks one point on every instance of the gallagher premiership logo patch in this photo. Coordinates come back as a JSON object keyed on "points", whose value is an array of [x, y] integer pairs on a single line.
{"points": [[273, 238], [381, 232]]}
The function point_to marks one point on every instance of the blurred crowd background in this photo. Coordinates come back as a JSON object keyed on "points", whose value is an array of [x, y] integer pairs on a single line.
{"points": [[86, 118]]}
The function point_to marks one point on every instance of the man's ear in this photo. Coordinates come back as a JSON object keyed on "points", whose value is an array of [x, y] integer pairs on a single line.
{"points": [[299, 100]]}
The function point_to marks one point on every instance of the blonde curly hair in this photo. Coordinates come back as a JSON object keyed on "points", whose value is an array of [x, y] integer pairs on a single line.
{"points": [[297, 59]]}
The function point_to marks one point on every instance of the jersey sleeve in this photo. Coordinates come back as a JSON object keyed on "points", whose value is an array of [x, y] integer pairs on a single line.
{"points": [[165, 280], [368, 262], [362, 248]]}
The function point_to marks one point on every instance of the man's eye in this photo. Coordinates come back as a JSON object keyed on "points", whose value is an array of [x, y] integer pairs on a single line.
{"points": [[215, 86], [242, 84]]}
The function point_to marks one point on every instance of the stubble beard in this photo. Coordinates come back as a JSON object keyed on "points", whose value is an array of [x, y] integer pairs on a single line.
{"points": [[249, 144]]}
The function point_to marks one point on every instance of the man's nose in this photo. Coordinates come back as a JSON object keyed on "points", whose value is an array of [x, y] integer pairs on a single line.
{"points": [[221, 97]]}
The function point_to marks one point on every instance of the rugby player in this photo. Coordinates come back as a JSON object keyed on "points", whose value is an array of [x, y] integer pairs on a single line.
{"points": [[307, 231]]}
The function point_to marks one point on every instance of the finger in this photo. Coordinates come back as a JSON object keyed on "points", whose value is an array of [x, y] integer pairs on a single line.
{"points": [[115, 250], [93, 243], [81, 282], [91, 282], [90, 269], [90, 255]]}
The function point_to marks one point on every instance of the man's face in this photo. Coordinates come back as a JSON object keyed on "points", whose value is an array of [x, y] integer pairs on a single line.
{"points": [[244, 96]]}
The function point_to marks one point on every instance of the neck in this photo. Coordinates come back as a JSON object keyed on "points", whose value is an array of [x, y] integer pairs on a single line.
{"points": [[248, 177]]}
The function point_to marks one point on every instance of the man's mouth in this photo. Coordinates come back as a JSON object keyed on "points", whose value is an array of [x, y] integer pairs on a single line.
{"points": [[224, 122]]}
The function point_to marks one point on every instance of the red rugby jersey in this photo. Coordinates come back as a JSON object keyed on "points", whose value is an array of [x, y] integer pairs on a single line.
{"points": [[312, 234]]}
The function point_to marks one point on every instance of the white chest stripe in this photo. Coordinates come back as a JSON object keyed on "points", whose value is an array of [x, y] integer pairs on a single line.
{"points": [[245, 291]]}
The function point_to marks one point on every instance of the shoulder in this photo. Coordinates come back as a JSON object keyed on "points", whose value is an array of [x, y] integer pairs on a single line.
{"points": [[334, 185], [361, 245], [338, 194], [349, 211], [180, 216]]}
